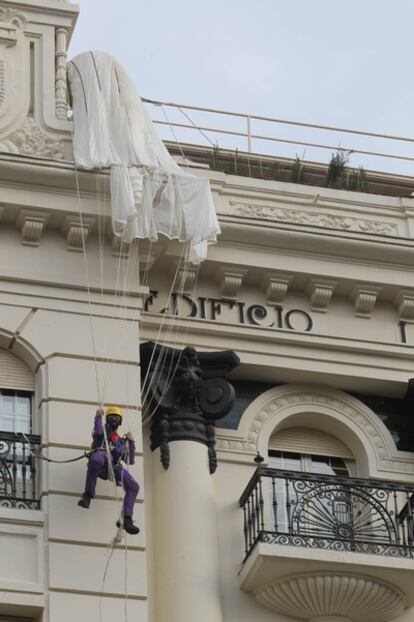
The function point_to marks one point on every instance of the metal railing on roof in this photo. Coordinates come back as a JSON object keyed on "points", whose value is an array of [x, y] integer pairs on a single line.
{"points": [[250, 137]]}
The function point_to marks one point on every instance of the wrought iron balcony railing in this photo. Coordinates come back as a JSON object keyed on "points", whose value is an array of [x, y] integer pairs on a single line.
{"points": [[18, 473], [328, 512]]}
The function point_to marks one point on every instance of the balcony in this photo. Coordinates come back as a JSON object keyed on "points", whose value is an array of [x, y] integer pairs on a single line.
{"points": [[18, 473], [328, 536]]}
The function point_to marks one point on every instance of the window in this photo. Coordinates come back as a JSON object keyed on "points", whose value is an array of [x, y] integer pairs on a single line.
{"points": [[15, 411], [291, 504], [18, 468], [322, 465]]}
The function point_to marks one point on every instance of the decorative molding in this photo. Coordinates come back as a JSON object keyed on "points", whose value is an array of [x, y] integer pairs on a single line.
{"points": [[30, 139], [404, 301], [230, 280], [316, 596], [186, 279], [320, 292], [60, 79], [275, 286], [264, 414], [11, 22], [31, 225], [364, 298], [313, 219], [76, 231]]}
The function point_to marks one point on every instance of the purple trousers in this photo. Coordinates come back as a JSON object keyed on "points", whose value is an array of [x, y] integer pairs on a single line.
{"points": [[98, 467]]}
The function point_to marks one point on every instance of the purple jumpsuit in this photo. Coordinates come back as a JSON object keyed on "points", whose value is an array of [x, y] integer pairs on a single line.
{"points": [[98, 465]]}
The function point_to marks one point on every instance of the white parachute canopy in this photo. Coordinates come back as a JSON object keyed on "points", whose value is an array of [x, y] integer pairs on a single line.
{"points": [[151, 194]]}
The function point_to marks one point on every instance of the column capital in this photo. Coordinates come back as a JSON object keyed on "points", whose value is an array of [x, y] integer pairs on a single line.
{"points": [[187, 392]]}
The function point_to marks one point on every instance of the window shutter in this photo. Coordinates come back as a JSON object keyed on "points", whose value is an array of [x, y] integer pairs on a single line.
{"points": [[14, 373], [309, 441]]}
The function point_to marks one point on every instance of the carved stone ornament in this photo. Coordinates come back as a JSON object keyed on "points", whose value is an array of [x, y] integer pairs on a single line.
{"points": [[333, 597], [314, 219], [320, 292], [12, 22], [275, 286], [31, 224], [30, 139], [230, 280], [190, 393], [186, 279], [77, 231], [404, 301], [364, 298]]}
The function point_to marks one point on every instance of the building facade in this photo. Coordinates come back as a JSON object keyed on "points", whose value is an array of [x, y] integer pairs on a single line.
{"points": [[276, 462]]}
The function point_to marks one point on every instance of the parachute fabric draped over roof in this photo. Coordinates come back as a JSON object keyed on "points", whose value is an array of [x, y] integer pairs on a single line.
{"points": [[151, 194]]}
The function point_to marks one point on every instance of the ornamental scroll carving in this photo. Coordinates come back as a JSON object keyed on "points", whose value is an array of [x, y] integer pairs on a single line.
{"points": [[314, 219]]}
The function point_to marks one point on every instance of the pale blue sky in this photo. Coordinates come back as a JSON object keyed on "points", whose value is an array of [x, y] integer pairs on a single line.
{"points": [[347, 64]]}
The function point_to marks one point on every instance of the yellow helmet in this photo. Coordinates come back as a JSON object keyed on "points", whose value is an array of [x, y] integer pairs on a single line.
{"points": [[114, 410]]}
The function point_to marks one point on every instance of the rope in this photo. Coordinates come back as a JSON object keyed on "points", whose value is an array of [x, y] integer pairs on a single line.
{"points": [[196, 127], [85, 263], [173, 133]]}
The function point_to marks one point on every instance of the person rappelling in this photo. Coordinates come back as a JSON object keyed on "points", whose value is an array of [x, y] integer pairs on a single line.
{"points": [[121, 450]]}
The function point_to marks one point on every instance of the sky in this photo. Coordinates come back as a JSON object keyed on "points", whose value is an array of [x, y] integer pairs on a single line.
{"points": [[344, 64]]}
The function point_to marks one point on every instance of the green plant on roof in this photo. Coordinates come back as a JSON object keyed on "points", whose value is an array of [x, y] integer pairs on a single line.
{"points": [[358, 180], [297, 174], [337, 168], [214, 157]]}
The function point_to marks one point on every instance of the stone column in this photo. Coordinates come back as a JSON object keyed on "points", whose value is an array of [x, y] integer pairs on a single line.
{"points": [[191, 393], [60, 83]]}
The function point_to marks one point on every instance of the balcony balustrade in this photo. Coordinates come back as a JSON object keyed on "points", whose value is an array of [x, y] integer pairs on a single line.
{"points": [[345, 514], [18, 473]]}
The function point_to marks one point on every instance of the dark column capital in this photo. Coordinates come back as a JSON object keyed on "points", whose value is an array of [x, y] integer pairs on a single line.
{"points": [[187, 392]]}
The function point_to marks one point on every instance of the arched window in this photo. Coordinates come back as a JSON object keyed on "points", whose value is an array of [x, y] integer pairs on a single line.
{"points": [[18, 472]]}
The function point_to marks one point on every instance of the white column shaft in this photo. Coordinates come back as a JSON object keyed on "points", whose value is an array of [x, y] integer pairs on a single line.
{"points": [[186, 542]]}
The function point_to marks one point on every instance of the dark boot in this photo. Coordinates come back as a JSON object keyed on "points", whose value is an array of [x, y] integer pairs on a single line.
{"points": [[85, 501], [128, 525]]}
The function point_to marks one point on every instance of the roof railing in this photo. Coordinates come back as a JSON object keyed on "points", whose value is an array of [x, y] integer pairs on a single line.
{"points": [[250, 137]]}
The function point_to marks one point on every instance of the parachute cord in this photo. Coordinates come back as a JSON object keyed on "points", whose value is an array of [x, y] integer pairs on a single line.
{"points": [[187, 116], [85, 263], [126, 551], [163, 351], [174, 134], [126, 580], [171, 371], [144, 390], [176, 340], [163, 355]]}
